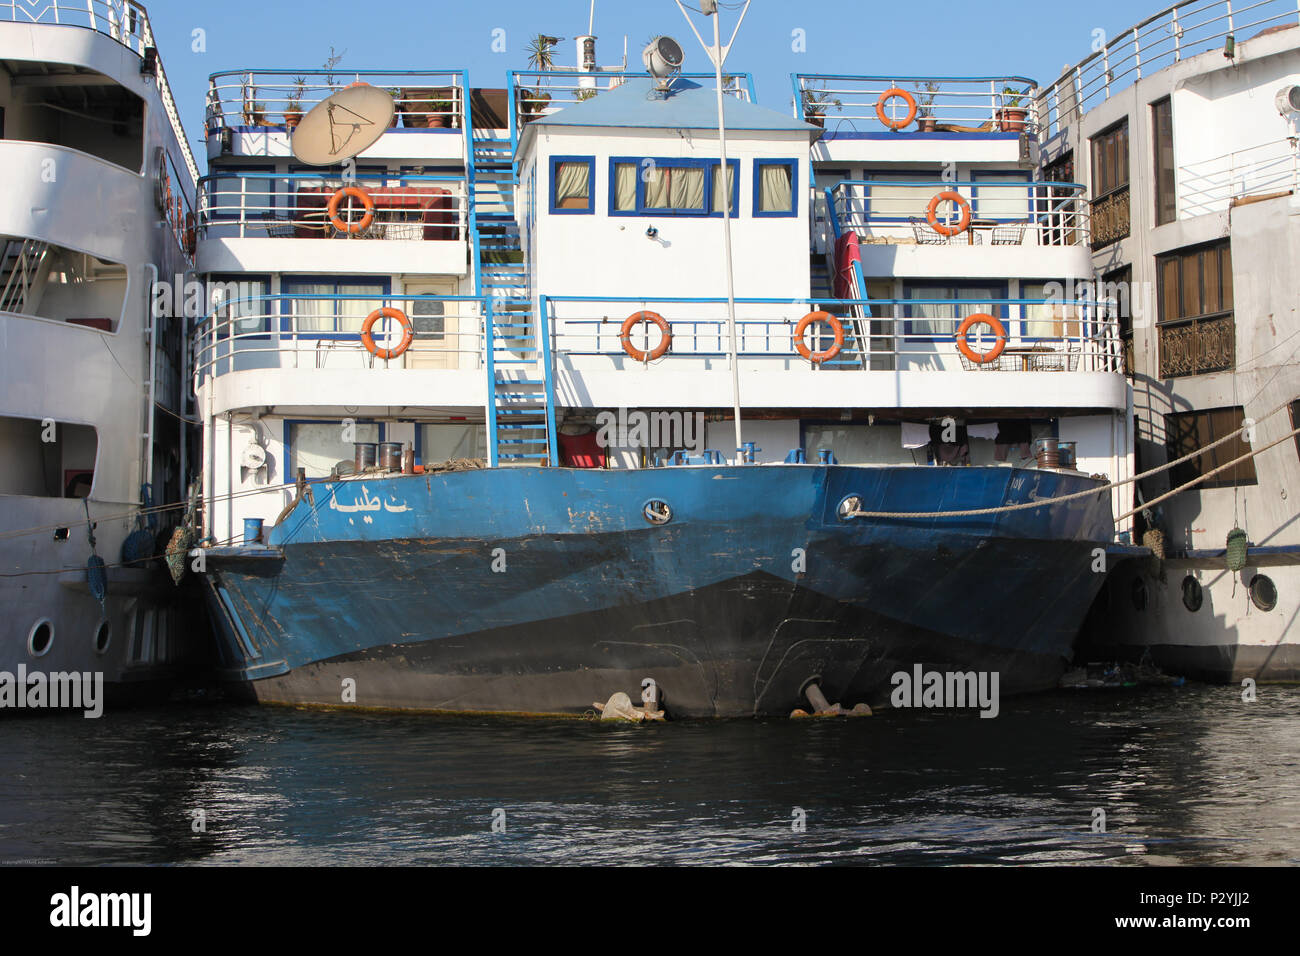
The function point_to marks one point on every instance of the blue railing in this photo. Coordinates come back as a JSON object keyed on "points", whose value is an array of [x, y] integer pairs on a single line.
{"points": [[1051, 333], [847, 103], [278, 206], [1015, 212]]}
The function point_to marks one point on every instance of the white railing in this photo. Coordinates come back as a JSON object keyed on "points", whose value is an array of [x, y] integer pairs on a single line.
{"points": [[126, 22], [280, 98], [1003, 212], [1211, 184], [323, 331], [1002, 104], [914, 334], [269, 206], [1175, 33], [535, 93]]}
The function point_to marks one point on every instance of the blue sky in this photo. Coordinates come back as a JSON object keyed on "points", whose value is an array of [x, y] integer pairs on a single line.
{"points": [[919, 37]]}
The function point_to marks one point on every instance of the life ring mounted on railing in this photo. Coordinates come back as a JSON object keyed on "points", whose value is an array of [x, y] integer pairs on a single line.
{"points": [[894, 93], [359, 194], [368, 340], [999, 332], [665, 342], [837, 329], [932, 214]]}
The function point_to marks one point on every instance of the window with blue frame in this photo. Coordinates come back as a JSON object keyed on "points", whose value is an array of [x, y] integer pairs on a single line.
{"points": [[239, 304], [573, 180], [776, 187], [945, 305], [329, 305], [649, 186]]}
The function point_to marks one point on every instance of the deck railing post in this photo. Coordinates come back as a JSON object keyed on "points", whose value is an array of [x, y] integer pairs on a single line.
{"points": [[1177, 32], [1231, 28], [1105, 65]]}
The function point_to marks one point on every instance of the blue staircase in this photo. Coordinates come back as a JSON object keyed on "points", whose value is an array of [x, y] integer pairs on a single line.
{"points": [[521, 395]]}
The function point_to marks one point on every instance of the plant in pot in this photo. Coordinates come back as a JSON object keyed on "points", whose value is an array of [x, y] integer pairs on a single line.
{"points": [[815, 104], [926, 92], [293, 108], [255, 113], [1011, 117], [540, 57], [425, 108]]}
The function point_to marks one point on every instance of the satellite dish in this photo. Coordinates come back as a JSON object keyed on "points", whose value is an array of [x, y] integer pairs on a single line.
{"points": [[342, 125], [662, 58]]}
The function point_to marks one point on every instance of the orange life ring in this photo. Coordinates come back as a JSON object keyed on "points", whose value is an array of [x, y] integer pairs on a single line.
{"points": [[356, 192], [999, 330], [893, 93], [408, 332], [645, 315], [802, 327], [932, 214]]}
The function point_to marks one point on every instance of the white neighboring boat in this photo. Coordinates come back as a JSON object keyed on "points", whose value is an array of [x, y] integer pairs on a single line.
{"points": [[1185, 127], [98, 204]]}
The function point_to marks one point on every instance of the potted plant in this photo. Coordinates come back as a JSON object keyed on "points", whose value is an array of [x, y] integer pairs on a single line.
{"points": [[328, 66], [584, 94], [540, 57], [293, 109], [815, 104], [925, 119], [1011, 117], [425, 108], [255, 113]]}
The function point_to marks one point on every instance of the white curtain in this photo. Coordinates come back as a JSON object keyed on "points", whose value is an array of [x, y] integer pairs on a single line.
{"points": [[940, 318], [1050, 320], [313, 315], [572, 185], [676, 187], [718, 191], [1002, 202], [775, 191], [900, 202], [625, 187]]}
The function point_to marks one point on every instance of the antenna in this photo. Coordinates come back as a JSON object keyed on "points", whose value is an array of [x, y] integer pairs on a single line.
{"points": [[718, 54], [341, 126]]}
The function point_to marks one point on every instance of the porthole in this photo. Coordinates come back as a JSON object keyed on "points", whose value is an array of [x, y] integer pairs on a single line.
{"points": [[1139, 594], [41, 638], [848, 507], [1193, 596], [1263, 592], [656, 511], [103, 636]]}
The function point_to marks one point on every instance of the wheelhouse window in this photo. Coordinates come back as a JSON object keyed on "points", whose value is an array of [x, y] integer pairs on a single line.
{"points": [[1196, 327], [572, 184], [776, 187], [670, 187], [331, 306], [319, 447], [1185, 432], [1162, 129], [1110, 185]]}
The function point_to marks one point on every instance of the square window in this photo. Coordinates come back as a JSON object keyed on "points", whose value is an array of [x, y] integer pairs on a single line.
{"points": [[571, 184], [776, 184]]}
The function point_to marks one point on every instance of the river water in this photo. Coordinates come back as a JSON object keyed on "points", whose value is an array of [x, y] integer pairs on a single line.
{"points": [[1189, 775]]}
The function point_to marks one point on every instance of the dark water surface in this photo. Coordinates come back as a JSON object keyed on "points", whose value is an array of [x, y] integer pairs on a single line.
{"points": [[1190, 775]]}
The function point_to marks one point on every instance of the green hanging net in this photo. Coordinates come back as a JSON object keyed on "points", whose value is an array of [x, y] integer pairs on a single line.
{"points": [[1236, 553]]}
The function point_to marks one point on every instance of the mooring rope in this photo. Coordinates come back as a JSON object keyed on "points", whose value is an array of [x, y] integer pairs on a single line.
{"points": [[1043, 502]]}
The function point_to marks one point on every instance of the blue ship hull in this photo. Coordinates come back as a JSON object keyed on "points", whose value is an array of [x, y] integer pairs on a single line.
{"points": [[545, 590]]}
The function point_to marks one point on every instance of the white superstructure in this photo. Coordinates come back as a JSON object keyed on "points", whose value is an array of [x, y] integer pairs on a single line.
{"points": [[99, 205]]}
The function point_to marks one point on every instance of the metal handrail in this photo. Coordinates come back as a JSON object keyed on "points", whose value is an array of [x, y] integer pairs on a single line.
{"points": [[269, 98], [275, 325], [273, 205], [1088, 339], [1210, 185], [1048, 214], [955, 104], [1159, 41], [541, 92]]}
